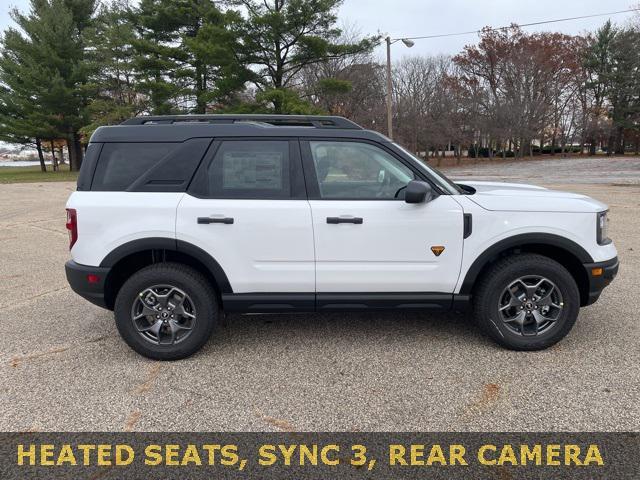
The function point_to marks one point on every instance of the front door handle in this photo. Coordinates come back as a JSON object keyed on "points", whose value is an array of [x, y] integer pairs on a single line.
{"points": [[336, 220], [207, 220]]}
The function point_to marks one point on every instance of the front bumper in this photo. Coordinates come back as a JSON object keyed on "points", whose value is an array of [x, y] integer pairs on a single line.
{"points": [[597, 283], [87, 281]]}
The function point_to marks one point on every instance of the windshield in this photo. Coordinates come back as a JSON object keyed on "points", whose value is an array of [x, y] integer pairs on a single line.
{"points": [[437, 176]]}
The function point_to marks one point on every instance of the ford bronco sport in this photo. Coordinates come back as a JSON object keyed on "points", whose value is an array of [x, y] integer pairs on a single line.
{"points": [[178, 220]]}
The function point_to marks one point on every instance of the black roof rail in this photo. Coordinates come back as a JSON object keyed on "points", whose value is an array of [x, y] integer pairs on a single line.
{"points": [[316, 121]]}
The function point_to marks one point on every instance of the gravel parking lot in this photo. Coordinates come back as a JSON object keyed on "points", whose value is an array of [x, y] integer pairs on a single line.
{"points": [[64, 367]]}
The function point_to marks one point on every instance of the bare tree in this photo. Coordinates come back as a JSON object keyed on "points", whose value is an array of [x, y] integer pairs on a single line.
{"points": [[414, 81], [351, 86]]}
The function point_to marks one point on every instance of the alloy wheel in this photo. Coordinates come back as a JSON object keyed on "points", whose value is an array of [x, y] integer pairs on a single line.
{"points": [[163, 314], [530, 305]]}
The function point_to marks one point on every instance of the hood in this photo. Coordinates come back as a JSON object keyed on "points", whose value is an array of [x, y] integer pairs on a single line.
{"points": [[516, 197]]}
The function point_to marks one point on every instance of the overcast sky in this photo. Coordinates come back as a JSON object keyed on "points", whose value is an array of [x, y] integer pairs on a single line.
{"points": [[412, 18]]}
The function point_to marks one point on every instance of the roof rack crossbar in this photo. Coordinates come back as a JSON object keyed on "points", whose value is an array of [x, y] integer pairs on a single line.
{"points": [[318, 121]]}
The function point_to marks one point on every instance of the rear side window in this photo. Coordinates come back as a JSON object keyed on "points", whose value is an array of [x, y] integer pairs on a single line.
{"points": [[250, 169], [88, 166], [121, 164]]}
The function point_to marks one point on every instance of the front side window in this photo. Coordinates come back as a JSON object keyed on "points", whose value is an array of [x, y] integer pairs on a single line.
{"points": [[250, 169], [358, 171]]}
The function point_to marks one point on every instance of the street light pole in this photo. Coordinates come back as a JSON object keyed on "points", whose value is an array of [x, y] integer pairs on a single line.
{"points": [[389, 104], [408, 43]]}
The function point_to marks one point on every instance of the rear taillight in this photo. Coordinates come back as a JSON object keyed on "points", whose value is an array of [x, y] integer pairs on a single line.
{"points": [[72, 226]]}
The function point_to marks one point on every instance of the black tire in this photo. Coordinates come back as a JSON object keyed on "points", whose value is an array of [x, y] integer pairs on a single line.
{"points": [[200, 293], [500, 276]]}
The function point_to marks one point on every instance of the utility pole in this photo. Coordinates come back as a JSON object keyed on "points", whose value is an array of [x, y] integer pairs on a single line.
{"points": [[408, 43], [389, 86]]}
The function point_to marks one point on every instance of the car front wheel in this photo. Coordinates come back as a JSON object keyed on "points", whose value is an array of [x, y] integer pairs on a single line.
{"points": [[527, 302]]}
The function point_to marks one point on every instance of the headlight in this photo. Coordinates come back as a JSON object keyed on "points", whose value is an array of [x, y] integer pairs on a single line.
{"points": [[602, 228]]}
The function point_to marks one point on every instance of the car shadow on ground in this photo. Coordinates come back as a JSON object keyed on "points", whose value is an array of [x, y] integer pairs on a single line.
{"points": [[364, 327]]}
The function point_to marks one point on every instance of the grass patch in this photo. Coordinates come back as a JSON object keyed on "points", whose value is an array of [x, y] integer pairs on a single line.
{"points": [[33, 174]]}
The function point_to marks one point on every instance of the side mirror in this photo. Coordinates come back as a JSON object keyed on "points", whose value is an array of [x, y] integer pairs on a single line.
{"points": [[418, 192]]}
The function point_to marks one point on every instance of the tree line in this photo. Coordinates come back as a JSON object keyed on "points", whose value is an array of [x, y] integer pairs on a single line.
{"points": [[518, 94], [70, 66], [512, 94]]}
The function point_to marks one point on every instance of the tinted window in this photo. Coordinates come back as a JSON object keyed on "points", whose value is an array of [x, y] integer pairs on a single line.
{"points": [[175, 170], [359, 171], [121, 164], [250, 169], [88, 166]]}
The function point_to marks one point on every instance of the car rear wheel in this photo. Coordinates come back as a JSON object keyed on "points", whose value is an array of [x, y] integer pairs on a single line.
{"points": [[166, 311], [527, 302]]}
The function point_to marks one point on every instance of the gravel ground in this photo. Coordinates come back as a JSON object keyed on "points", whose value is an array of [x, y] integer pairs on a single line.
{"points": [[64, 367]]}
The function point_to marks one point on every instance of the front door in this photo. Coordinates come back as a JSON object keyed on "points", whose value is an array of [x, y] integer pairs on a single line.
{"points": [[367, 239]]}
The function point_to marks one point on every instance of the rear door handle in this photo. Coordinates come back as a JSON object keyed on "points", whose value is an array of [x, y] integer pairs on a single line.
{"points": [[336, 220], [207, 220]]}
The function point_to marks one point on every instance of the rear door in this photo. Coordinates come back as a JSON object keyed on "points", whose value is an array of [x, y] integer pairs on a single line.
{"points": [[367, 238], [247, 208]]}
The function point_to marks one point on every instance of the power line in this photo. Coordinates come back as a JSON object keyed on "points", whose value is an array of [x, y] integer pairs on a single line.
{"points": [[520, 25]]}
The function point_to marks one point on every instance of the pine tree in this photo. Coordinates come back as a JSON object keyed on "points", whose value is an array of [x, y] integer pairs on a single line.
{"points": [[624, 88], [185, 55], [598, 64], [215, 72], [112, 57], [44, 71], [155, 49], [282, 37], [21, 122]]}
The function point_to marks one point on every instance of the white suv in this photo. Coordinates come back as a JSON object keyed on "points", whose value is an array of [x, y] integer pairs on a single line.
{"points": [[179, 219]]}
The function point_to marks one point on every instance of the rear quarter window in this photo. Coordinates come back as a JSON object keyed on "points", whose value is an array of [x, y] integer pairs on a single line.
{"points": [[88, 166], [121, 164]]}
